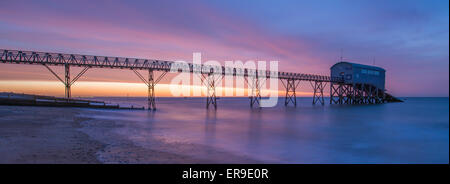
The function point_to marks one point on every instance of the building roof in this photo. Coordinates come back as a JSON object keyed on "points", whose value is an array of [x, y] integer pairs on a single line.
{"points": [[361, 66]]}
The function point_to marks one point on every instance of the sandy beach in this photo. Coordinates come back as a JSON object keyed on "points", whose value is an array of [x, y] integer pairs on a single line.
{"points": [[44, 135], [54, 135]]}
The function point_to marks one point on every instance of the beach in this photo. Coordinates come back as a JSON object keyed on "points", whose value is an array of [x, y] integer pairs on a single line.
{"points": [[52, 135], [44, 135], [183, 131]]}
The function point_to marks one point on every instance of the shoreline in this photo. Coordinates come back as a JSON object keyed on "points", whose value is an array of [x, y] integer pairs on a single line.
{"points": [[51, 135], [30, 139]]}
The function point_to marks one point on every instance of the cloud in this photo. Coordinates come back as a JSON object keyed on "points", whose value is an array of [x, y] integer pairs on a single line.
{"points": [[304, 36]]}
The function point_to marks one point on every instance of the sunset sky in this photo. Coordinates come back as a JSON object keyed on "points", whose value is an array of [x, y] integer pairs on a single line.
{"points": [[409, 38]]}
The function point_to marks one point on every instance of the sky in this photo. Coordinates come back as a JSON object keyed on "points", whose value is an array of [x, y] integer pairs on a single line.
{"points": [[408, 38]]}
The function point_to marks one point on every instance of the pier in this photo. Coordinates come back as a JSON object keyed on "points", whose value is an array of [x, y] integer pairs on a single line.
{"points": [[342, 91]]}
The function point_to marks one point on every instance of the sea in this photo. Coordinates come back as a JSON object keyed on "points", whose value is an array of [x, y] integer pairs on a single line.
{"points": [[415, 131]]}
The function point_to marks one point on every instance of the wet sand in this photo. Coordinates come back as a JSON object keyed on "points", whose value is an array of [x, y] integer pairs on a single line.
{"points": [[44, 135], [54, 135]]}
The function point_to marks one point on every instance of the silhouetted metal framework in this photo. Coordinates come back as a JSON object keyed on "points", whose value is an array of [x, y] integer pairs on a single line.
{"points": [[151, 83], [318, 87], [290, 86], [255, 83], [210, 79], [356, 93]]}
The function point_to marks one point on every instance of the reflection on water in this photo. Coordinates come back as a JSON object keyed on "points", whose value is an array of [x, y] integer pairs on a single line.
{"points": [[416, 131]]}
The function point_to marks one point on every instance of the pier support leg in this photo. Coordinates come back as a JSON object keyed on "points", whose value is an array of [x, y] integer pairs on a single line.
{"points": [[151, 83], [255, 96], [332, 92], [151, 91], [346, 94], [365, 94], [210, 81], [376, 96], [67, 81], [318, 92], [336, 91], [360, 94], [291, 96], [255, 83], [350, 94], [211, 98]]}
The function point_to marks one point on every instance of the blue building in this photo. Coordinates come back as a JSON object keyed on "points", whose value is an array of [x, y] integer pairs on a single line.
{"points": [[360, 84], [354, 73]]}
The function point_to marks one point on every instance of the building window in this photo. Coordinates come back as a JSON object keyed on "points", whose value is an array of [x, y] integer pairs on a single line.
{"points": [[370, 72], [348, 77]]}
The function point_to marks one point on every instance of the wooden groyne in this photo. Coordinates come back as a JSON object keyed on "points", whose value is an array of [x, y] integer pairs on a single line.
{"points": [[39, 100]]}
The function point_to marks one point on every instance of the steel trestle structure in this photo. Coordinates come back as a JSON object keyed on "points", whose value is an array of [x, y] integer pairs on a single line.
{"points": [[210, 80], [318, 91], [290, 86], [357, 93], [151, 83], [340, 93]]}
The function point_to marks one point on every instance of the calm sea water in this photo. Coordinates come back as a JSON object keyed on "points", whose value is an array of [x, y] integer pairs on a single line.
{"points": [[416, 131]]}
